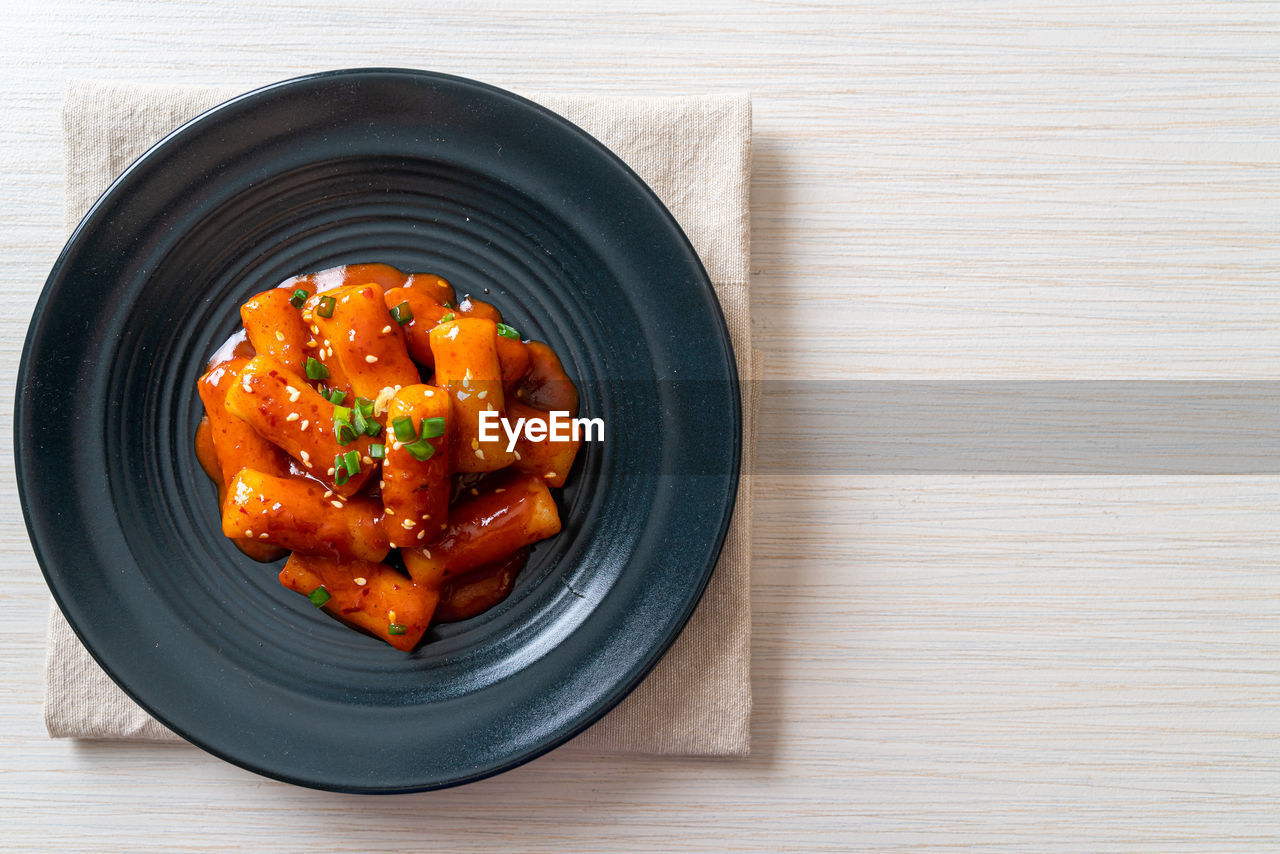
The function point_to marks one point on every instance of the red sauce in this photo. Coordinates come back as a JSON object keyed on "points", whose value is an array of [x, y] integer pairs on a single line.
{"points": [[464, 596]]}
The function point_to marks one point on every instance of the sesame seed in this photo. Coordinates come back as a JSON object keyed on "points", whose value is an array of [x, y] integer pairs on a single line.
{"points": [[517, 453], [279, 336], [351, 335], [428, 393], [263, 535], [328, 493], [248, 532], [497, 491], [475, 491], [311, 342], [422, 535], [452, 333], [306, 458], [391, 511], [304, 424], [382, 484], [466, 381], [482, 395], [244, 384], [293, 393], [488, 407], [462, 395], [330, 472], [292, 416], [480, 455], [371, 359], [475, 443], [386, 329], [367, 460], [391, 616], [550, 474], [338, 504], [359, 580], [407, 524], [315, 330]]}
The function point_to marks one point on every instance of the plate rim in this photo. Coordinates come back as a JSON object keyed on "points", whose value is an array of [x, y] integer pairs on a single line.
{"points": [[175, 139]]}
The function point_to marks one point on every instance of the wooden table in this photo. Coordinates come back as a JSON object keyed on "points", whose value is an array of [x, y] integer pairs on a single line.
{"points": [[1017, 661]]}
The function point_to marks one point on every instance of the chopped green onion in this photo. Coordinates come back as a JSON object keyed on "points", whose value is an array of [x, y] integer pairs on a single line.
{"points": [[315, 370], [344, 433], [402, 313], [358, 423], [319, 596], [395, 629], [446, 305], [325, 308], [432, 427], [403, 427], [377, 452], [342, 429], [336, 396], [298, 298], [340, 474], [421, 450], [373, 428], [507, 332], [446, 318], [365, 406], [351, 461]]}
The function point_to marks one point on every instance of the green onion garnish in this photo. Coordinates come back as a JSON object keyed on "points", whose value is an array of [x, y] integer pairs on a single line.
{"points": [[325, 308], [403, 427], [365, 405], [336, 396], [373, 428], [432, 427], [342, 429], [507, 332], [316, 370], [446, 305], [298, 298], [395, 629], [319, 596], [421, 450], [377, 452], [358, 423], [402, 313], [340, 474], [446, 318], [351, 461]]}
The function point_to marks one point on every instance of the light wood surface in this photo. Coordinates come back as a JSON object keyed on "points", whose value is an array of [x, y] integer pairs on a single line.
{"points": [[940, 191]]}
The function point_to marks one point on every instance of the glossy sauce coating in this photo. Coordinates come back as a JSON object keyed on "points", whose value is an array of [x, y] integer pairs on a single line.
{"points": [[281, 407], [466, 354], [367, 594], [513, 512], [464, 596], [360, 339], [275, 328], [296, 514], [415, 492]]}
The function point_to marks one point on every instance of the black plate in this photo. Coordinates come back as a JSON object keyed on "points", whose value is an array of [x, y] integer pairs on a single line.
{"points": [[425, 172]]}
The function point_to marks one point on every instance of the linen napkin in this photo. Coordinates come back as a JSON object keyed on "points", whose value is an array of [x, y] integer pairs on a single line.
{"points": [[694, 151]]}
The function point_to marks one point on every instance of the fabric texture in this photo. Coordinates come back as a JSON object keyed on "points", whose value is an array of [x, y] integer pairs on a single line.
{"points": [[695, 152]]}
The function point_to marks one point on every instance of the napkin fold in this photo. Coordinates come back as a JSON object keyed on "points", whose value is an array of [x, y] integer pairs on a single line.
{"points": [[695, 152]]}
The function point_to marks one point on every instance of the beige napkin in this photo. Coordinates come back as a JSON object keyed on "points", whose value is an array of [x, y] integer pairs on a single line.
{"points": [[695, 152]]}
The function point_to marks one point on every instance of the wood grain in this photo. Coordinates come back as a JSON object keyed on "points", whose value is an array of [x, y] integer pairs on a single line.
{"points": [[1073, 190]]}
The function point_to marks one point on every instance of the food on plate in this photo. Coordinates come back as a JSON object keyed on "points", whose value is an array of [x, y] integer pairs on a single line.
{"points": [[344, 424]]}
